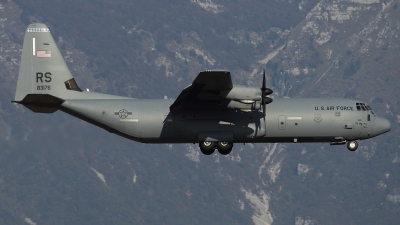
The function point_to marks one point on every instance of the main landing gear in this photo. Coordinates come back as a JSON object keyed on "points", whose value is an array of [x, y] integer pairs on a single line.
{"points": [[208, 147], [352, 145]]}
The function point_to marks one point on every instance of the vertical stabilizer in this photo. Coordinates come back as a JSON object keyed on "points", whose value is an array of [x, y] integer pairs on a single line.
{"points": [[42, 70]]}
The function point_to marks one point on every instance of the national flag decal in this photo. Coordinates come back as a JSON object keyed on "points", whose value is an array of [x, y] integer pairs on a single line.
{"points": [[43, 53]]}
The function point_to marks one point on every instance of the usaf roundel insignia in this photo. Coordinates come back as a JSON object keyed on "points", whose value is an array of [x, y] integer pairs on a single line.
{"points": [[123, 113]]}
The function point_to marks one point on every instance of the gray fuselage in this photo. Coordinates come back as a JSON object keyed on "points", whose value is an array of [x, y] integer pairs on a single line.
{"points": [[211, 111], [286, 120]]}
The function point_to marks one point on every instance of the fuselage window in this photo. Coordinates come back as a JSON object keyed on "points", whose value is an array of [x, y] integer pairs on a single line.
{"points": [[369, 117]]}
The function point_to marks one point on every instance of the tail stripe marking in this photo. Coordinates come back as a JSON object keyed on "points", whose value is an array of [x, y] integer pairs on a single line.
{"points": [[34, 46]]}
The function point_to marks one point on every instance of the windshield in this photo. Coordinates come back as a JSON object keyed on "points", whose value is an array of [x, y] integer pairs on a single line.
{"points": [[363, 107]]}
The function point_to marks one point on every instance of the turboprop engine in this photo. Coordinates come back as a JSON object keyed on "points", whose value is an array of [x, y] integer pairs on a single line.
{"points": [[246, 95], [246, 99], [242, 98]]}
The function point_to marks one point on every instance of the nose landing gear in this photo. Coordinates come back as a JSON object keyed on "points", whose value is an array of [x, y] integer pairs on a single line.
{"points": [[208, 147], [352, 145]]}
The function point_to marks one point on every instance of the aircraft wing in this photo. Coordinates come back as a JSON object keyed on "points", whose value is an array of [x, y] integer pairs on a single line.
{"points": [[205, 89]]}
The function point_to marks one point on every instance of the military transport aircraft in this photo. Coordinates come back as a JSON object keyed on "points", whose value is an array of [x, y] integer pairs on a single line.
{"points": [[211, 111]]}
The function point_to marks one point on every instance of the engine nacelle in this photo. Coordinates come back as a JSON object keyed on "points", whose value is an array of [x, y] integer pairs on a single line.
{"points": [[242, 98], [245, 107], [242, 94]]}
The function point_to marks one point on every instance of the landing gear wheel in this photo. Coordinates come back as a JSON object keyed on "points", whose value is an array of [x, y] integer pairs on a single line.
{"points": [[352, 145], [224, 148], [207, 147]]}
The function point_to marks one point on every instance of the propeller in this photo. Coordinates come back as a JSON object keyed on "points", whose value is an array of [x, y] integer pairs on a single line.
{"points": [[264, 92]]}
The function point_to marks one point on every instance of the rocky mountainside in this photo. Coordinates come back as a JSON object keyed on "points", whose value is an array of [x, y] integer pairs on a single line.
{"points": [[346, 49], [55, 169]]}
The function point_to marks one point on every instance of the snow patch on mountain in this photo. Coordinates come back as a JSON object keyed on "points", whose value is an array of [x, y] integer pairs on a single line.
{"points": [[365, 1], [209, 6], [274, 170], [271, 55], [241, 204], [193, 153], [29, 221], [318, 18], [233, 158], [394, 196], [324, 37], [302, 169], [164, 61], [302, 5], [368, 150], [273, 162], [100, 176], [381, 184], [260, 204], [396, 159], [134, 178], [304, 221], [245, 37], [206, 57]]}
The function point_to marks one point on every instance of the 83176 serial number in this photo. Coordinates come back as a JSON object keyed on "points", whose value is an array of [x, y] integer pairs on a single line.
{"points": [[43, 87]]}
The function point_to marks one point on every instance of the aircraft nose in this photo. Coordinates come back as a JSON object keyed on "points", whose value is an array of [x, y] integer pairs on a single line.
{"points": [[381, 126]]}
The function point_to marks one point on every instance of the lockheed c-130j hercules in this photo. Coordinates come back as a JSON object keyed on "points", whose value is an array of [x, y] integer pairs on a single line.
{"points": [[211, 111]]}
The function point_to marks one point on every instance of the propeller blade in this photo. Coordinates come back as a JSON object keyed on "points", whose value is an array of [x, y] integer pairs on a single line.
{"points": [[263, 90], [268, 100], [263, 84], [267, 91], [264, 109]]}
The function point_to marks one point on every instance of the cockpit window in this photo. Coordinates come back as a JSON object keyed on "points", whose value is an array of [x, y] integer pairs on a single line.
{"points": [[363, 107]]}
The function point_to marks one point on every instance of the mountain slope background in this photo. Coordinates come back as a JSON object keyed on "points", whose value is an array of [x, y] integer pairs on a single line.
{"points": [[55, 169]]}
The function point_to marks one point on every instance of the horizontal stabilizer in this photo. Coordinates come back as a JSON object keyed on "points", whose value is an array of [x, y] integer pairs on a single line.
{"points": [[41, 103]]}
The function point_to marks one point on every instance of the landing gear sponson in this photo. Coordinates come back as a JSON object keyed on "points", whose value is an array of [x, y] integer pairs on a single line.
{"points": [[208, 147], [224, 148]]}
